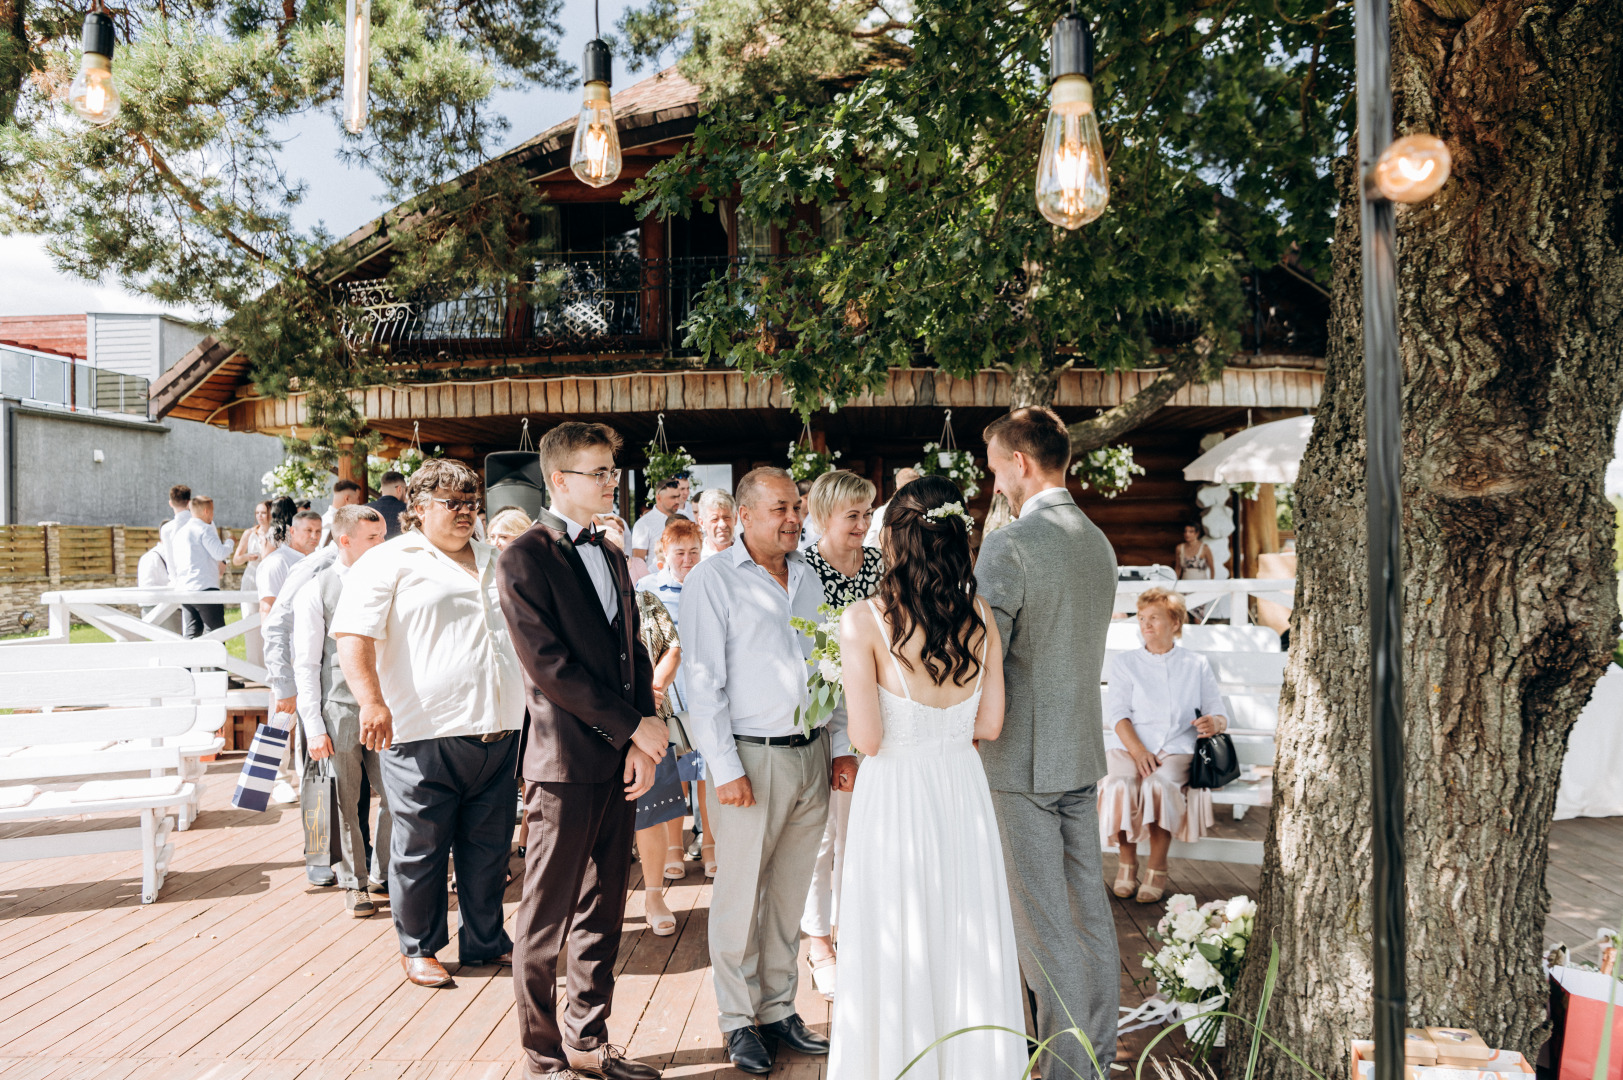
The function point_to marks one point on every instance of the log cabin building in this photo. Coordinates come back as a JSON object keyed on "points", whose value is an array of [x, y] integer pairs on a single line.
{"points": [[609, 348]]}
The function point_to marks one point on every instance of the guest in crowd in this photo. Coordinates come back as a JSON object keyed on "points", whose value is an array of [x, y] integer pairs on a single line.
{"points": [[254, 545], [591, 742], [508, 523], [841, 505], [180, 506], [718, 515], [427, 656], [331, 719], [904, 476], [277, 627], [301, 536], [1162, 698], [669, 500], [344, 493], [1193, 557], [770, 782], [151, 572], [389, 502], [808, 533], [198, 553]]}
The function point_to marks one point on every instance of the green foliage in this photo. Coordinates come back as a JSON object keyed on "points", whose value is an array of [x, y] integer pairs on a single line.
{"points": [[806, 462], [908, 210], [664, 463], [183, 197], [1108, 470], [956, 465], [296, 478], [1285, 507]]}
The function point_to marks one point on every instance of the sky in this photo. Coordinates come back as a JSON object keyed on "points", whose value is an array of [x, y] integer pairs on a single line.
{"points": [[343, 198]]}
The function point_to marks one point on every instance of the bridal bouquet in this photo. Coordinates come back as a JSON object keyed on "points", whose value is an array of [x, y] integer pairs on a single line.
{"points": [[1201, 956], [824, 682]]}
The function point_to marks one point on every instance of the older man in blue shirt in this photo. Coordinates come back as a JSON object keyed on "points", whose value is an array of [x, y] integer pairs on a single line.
{"points": [[769, 781]]}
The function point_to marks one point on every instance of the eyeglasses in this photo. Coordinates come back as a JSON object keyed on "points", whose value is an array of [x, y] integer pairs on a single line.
{"points": [[457, 506], [604, 477]]}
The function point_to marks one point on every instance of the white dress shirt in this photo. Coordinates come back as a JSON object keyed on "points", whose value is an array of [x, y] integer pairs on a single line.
{"points": [[445, 660], [167, 530], [1162, 695], [273, 570], [152, 572], [197, 553], [277, 625], [1048, 495], [746, 666], [597, 568], [309, 650], [646, 532]]}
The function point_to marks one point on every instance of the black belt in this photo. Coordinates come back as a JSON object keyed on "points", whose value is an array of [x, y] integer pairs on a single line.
{"points": [[781, 740]]}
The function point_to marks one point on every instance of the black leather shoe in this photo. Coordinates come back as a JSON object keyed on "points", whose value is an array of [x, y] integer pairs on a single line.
{"points": [[747, 1051], [792, 1032]]}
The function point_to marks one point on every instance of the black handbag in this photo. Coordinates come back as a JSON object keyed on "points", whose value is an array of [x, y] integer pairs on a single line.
{"points": [[1216, 763]]}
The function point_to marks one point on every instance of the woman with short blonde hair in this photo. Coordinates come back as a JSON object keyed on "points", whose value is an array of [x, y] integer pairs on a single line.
{"points": [[509, 523]]}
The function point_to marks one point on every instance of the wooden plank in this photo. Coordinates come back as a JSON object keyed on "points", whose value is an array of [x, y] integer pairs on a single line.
{"points": [[640, 392], [480, 400]]}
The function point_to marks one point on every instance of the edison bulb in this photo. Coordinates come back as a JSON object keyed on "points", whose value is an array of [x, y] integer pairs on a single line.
{"points": [[357, 63], [93, 94], [1073, 184], [1413, 169], [595, 156]]}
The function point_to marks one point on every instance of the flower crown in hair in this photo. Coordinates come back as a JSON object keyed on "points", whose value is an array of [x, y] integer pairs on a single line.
{"points": [[952, 509]]}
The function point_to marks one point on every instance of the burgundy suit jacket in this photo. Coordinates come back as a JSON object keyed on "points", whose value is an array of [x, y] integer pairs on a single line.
{"points": [[587, 686]]}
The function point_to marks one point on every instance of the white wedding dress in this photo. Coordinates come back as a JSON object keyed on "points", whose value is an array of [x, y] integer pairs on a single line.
{"points": [[926, 942]]}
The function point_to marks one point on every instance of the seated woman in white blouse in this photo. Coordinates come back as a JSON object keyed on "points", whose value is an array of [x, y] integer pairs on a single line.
{"points": [[1162, 697]]}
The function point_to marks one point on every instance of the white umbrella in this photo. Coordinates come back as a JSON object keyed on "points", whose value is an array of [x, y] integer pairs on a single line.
{"points": [[1265, 454]]}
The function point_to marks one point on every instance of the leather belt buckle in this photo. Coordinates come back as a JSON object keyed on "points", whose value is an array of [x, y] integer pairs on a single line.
{"points": [[494, 736]]}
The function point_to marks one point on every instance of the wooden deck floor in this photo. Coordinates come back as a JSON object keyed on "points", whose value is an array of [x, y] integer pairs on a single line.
{"points": [[242, 970]]}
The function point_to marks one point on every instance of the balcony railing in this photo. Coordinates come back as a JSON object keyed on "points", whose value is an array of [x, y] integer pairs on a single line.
{"points": [[54, 381]]}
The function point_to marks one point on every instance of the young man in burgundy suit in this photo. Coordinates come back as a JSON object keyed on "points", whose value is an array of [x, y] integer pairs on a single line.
{"points": [[591, 739]]}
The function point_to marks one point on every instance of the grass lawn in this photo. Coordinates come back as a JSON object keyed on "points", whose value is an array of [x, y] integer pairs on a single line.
{"points": [[78, 635]]}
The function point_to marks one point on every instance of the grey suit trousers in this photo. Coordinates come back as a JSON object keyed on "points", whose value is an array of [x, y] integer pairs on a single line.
{"points": [[349, 766], [1063, 923]]}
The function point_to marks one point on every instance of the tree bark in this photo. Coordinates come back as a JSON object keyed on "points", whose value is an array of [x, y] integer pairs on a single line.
{"points": [[1511, 309], [1113, 423]]}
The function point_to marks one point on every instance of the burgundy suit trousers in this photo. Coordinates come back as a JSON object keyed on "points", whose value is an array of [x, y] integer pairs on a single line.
{"points": [[576, 868]]}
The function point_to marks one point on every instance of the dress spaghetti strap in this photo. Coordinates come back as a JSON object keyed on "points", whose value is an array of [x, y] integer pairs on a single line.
{"points": [[897, 664], [986, 637]]}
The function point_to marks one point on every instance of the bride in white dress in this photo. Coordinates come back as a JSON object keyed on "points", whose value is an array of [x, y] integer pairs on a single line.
{"points": [[926, 941]]}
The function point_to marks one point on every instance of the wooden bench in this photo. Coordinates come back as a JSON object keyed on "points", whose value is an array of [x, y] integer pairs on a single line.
{"points": [[1250, 683], [98, 711]]}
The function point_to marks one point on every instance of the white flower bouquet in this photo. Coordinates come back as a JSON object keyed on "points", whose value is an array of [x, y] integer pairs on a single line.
{"points": [[825, 683], [1202, 953], [956, 465], [1110, 469], [806, 462], [297, 479]]}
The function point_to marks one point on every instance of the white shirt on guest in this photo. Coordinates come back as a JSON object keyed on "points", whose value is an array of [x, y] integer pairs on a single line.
{"points": [[645, 533], [445, 660], [197, 551], [309, 651], [273, 570], [1162, 695], [167, 531], [152, 572], [746, 666], [1050, 492], [597, 568]]}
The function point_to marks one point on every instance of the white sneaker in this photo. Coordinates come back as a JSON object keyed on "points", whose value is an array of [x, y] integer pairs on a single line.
{"points": [[284, 792]]}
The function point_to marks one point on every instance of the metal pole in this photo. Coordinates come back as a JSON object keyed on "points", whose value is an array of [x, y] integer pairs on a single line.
{"points": [[1383, 410]]}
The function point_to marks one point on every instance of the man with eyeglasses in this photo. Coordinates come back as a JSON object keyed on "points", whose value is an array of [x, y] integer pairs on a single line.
{"points": [[426, 654], [669, 500], [590, 745]]}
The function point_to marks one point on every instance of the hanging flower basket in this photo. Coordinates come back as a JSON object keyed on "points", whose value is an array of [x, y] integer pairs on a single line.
{"points": [[297, 479], [663, 462], [806, 462], [943, 458], [1109, 470]]}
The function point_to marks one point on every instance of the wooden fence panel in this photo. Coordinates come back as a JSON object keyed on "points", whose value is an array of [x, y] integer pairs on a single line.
{"points": [[138, 540], [86, 552], [22, 551]]}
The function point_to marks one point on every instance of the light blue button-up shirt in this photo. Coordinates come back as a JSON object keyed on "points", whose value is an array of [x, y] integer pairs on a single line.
{"points": [[746, 666]]}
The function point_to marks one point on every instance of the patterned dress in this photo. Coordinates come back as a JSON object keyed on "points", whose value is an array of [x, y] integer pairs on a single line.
{"points": [[839, 590], [663, 802]]}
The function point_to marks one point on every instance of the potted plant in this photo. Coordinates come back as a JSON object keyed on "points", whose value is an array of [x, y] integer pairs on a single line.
{"points": [[806, 462], [663, 462], [943, 458], [1109, 470]]}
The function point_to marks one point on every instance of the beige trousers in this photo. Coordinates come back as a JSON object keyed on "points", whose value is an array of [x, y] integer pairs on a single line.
{"points": [[765, 855]]}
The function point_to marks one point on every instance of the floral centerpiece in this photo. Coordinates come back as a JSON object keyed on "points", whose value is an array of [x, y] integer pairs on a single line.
{"points": [[956, 465], [825, 682], [806, 462], [1109, 469], [297, 479], [1201, 955]]}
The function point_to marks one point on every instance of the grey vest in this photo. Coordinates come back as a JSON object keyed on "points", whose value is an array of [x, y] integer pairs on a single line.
{"points": [[338, 706]]}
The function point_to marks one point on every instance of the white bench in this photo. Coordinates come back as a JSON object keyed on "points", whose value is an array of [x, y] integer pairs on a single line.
{"points": [[1250, 683], [104, 710]]}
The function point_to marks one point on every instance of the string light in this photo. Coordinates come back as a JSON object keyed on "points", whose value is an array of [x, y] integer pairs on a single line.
{"points": [[1413, 168], [93, 95], [357, 63], [595, 155], [1073, 182]]}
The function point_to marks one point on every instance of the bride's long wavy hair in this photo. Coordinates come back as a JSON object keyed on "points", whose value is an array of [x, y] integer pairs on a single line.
{"points": [[929, 586]]}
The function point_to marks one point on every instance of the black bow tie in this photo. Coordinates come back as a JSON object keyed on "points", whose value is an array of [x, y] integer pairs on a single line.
{"points": [[589, 536]]}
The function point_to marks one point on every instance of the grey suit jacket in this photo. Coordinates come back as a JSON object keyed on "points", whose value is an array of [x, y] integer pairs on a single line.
{"points": [[1050, 576]]}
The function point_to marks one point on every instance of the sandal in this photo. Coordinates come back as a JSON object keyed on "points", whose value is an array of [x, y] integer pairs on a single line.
{"points": [[823, 975], [1126, 879], [675, 868], [707, 852], [660, 919], [1150, 892]]}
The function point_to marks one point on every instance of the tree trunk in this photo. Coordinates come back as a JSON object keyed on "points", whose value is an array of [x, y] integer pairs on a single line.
{"points": [[1511, 301], [14, 62]]}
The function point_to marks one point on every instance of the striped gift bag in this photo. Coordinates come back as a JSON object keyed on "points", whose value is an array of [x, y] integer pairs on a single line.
{"points": [[258, 774]]}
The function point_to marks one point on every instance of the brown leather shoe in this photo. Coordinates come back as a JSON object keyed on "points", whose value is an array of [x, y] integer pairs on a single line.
{"points": [[425, 971], [609, 1063]]}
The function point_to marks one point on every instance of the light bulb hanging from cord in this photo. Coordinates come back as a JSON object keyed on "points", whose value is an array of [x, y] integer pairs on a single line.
{"points": [[93, 94], [357, 62], [1073, 182], [595, 155], [1412, 169]]}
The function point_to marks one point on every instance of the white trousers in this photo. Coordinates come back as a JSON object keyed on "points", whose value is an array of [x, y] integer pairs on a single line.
{"points": [[822, 912]]}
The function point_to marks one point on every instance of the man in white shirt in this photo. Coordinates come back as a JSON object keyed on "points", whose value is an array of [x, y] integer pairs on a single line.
{"points": [[197, 552], [329, 715], [301, 539], [668, 502], [153, 573], [180, 503], [425, 651], [344, 493], [904, 476], [769, 783], [717, 517]]}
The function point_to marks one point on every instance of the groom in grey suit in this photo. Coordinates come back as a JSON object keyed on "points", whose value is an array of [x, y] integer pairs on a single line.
{"points": [[1050, 576]]}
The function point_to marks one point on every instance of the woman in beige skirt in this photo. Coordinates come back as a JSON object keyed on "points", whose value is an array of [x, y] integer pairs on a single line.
{"points": [[1162, 698]]}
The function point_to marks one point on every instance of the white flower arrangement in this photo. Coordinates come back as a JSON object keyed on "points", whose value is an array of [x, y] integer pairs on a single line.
{"points": [[1110, 469], [952, 509], [956, 465], [297, 479], [806, 462], [1202, 953], [826, 682]]}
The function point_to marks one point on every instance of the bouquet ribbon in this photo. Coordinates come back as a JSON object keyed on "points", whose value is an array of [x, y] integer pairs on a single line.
{"points": [[1155, 1011]]}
